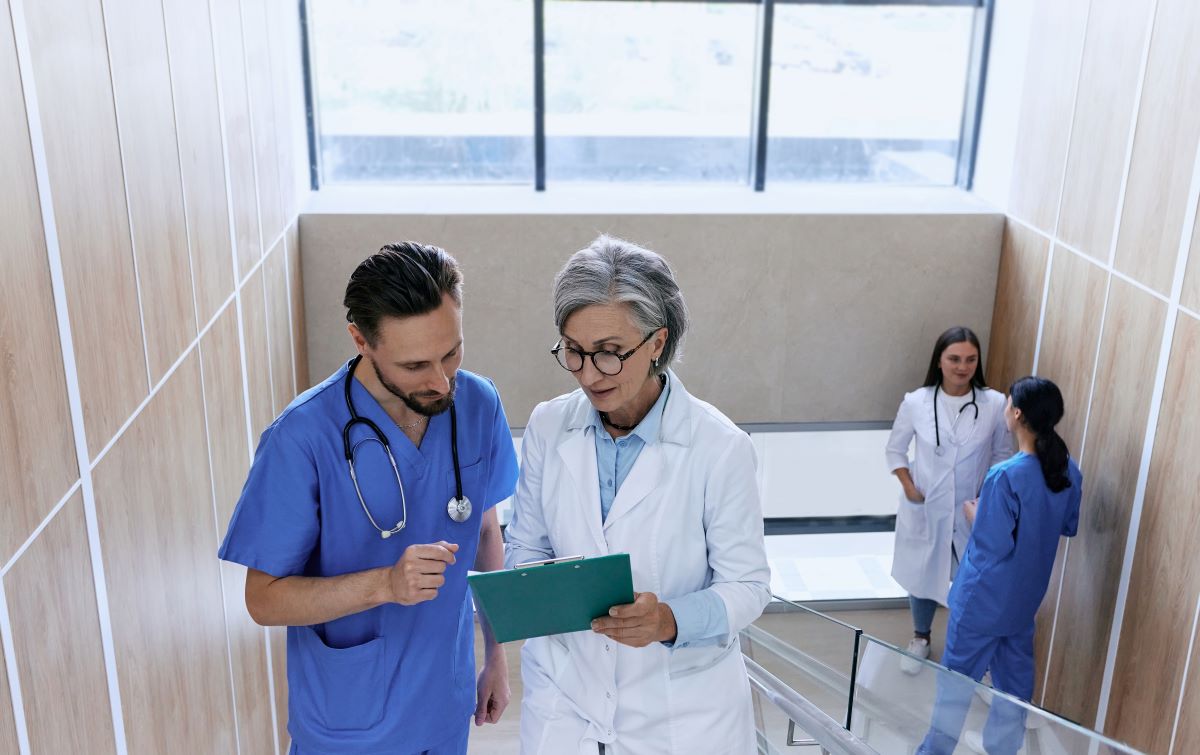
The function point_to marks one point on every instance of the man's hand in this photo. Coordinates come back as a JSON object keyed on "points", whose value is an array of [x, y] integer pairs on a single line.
{"points": [[969, 510], [491, 691], [419, 573], [639, 623]]}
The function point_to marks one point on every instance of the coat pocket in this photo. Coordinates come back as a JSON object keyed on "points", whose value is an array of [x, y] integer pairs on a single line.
{"points": [[912, 521], [346, 686]]}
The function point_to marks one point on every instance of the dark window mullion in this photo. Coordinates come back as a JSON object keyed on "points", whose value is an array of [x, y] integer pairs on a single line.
{"points": [[539, 95], [763, 96]]}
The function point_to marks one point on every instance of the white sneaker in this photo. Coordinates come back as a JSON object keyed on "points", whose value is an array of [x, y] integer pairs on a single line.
{"points": [[974, 742], [918, 647]]}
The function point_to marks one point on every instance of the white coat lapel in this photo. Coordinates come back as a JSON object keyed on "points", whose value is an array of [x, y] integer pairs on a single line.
{"points": [[578, 453], [642, 480]]}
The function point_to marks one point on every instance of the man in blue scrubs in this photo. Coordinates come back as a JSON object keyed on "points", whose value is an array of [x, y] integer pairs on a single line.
{"points": [[366, 563]]}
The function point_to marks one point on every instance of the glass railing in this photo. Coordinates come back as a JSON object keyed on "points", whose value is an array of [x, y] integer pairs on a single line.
{"points": [[887, 701]]}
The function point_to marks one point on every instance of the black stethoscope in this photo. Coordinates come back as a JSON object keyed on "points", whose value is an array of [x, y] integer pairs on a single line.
{"points": [[937, 432], [459, 507]]}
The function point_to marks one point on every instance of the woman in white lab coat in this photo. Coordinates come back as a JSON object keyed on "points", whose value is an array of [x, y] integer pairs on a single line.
{"points": [[632, 463], [958, 425]]}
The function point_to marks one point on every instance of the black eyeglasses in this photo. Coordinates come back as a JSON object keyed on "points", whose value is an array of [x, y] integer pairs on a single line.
{"points": [[606, 362]]}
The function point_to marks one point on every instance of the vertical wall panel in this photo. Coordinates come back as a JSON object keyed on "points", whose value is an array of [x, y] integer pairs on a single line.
{"points": [[1055, 48], [1187, 738], [1166, 568], [8, 727], [56, 634], [275, 273], [146, 120], [70, 67], [1190, 297], [193, 71], [235, 107], [278, 639], [287, 77], [38, 464], [258, 356], [1023, 259], [296, 285], [256, 37], [1116, 429], [230, 452], [1070, 335], [154, 505], [1164, 149], [1108, 80]]}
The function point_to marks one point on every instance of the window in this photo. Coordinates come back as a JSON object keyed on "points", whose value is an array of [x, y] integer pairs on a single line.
{"points": [[735, 92]]}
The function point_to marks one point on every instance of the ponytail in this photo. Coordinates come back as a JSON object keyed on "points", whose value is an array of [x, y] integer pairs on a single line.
{"points": [[1041, 405], [1052, 453]]}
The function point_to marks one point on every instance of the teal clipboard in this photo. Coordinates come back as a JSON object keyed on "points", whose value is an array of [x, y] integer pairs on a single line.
{"points": [[535, 601]]}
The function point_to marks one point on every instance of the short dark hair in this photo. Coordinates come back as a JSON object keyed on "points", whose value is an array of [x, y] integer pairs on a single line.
{"points": [[957, 334], [400, 280]]}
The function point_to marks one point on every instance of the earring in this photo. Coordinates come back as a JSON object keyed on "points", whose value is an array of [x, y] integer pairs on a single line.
{"points": [[656, 361]]}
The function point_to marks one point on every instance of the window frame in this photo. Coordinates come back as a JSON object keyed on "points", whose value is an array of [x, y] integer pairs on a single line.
{"points": [[972, 115]]}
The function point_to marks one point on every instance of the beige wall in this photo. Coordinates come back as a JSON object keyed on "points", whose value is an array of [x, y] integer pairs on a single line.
{"points": [[1098, 248], [824, 317], [150, 326]]}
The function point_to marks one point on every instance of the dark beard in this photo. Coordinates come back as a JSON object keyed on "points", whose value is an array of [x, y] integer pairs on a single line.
{"points": [[426, 408]]}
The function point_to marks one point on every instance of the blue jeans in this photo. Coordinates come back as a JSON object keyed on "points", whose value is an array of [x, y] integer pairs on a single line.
{"points": [[923, 610]]}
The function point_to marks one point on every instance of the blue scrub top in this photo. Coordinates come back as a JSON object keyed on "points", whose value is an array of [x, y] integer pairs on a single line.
{"points": [[1006, 569], [393, 679]]}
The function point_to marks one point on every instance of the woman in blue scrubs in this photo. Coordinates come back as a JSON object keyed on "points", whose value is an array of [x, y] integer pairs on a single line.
{"points": [[1026, 503]]}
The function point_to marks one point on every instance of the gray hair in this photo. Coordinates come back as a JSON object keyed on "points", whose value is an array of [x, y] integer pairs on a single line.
{"points": [[613, 271]]}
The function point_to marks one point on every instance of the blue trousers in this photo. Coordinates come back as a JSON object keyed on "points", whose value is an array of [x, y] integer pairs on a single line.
{"points": [[971, 653]]}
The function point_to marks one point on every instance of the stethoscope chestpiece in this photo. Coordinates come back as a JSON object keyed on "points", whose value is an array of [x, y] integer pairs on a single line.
{"points": [[459, 509]]}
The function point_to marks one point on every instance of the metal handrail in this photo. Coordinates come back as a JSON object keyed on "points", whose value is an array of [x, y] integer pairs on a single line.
{"points": [[825, 731]]}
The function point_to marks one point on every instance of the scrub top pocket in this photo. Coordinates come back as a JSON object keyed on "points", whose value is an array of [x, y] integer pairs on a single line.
{"points": [[347, 687]]}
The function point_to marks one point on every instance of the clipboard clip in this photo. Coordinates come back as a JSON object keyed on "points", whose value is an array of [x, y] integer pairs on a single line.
{"points": [[549, 561]]}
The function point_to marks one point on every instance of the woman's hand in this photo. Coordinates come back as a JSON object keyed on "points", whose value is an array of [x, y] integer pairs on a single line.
{"points": [[639, 623], [912, 494], [969, 509]]}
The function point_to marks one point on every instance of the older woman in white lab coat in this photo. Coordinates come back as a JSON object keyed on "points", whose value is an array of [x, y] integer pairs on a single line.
{"points": [[958, 425], [632, 463]]}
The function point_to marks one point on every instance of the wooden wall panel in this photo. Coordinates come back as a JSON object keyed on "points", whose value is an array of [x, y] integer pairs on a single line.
{"points": [[1070, 336], [247, 642], [1165, 582], [1112, 455], [225, 407], [8, 727], [1055, 49], [278, 639], [70, 67], [1164, 149], [1190, 297], [288, 78], [1023, 258], [193, 71], [1108, 82], [56, 636], [1187, 738], [38, 464], [137, 47], [256, 33], [157, 534], [146, 121], [296, 285], [283, 388], [258, 354], [235, 109]]}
